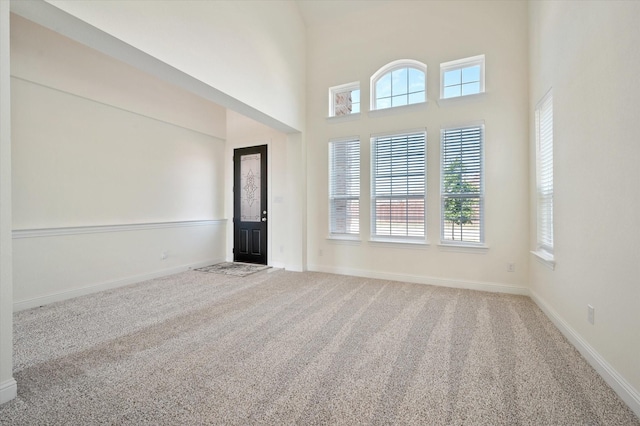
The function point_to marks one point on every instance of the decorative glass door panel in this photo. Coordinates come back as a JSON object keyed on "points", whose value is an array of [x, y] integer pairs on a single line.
{"points": [[250, 178]]}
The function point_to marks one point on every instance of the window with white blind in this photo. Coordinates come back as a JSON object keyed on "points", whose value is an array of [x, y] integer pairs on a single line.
{"points": [[462, 185], [399, 83], [344, 187], [398, 186], [544, 174]]}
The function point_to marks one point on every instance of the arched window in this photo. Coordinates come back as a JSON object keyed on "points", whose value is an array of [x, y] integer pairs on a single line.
{"points": [[399, 83]]}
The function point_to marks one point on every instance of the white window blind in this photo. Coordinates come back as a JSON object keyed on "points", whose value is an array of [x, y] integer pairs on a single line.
{"points": [[462, 185], [544, 173], [344, 187], [398, 186]]}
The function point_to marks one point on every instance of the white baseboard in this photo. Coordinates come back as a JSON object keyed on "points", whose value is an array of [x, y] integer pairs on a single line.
{"points": [[625, 391], [420, 279], [107, 285], [278, 265], [8, 390]]}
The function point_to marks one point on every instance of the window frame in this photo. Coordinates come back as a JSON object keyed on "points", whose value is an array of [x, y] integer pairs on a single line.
{"points": [[333, 233], [480, 195], [405, 239], [544, 178], [460, 64], [342, 88], [389, 68]]}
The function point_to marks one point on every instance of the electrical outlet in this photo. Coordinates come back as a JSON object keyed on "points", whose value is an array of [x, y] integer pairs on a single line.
{"points": [[590, 314], [511, 267], [163, 255]]}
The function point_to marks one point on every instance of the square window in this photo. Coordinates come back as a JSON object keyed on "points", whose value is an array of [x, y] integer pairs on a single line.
{"points": [[462, 77], [344, 99]]}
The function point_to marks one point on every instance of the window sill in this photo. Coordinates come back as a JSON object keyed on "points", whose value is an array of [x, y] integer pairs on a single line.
{"points": [[398, 110], [545, 258], [345, 239], [463, 248], [399, 243], [344, 118], [460, 99]]}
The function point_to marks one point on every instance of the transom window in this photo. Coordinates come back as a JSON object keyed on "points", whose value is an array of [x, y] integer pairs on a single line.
{"points": [[462, 77], [398, 83], [398, 182], [344, 99]]}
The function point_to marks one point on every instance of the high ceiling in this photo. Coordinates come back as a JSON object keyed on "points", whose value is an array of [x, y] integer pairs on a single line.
{"points": [[316, 12]]}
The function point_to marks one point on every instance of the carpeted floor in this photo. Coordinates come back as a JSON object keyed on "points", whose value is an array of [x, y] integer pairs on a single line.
{"points": [[281, 347]]}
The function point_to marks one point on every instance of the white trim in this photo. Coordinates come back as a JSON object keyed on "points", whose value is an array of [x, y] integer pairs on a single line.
{"points": [[545, 258], [353, 239], [463, 248], [345, 139], [106, 285], [474, 97], [399, 133], [78, 230], [421, 279], [8, 390], [277, 265], [346, 117], [399, 242], [620, 386], [401, 109]]}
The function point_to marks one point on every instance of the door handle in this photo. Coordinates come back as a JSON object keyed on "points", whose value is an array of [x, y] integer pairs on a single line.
{"points": [[264, 219]]}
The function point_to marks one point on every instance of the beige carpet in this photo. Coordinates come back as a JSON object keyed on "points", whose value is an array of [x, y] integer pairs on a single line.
{"points": [[300, 348]]}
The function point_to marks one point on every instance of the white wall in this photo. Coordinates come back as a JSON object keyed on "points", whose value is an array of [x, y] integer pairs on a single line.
{"points": [[8, 388], [251, 51], [588, 53], [352, 48], [99, 152]]}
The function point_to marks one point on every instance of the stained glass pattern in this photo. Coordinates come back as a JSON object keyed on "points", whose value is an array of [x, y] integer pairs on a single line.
{"points": [[250, 188]]}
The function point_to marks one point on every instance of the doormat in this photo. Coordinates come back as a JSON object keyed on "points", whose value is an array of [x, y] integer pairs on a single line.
{"points": [[233, 268]]}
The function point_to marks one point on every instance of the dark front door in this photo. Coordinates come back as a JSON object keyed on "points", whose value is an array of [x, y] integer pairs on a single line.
{"points": [[250, 205]]}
